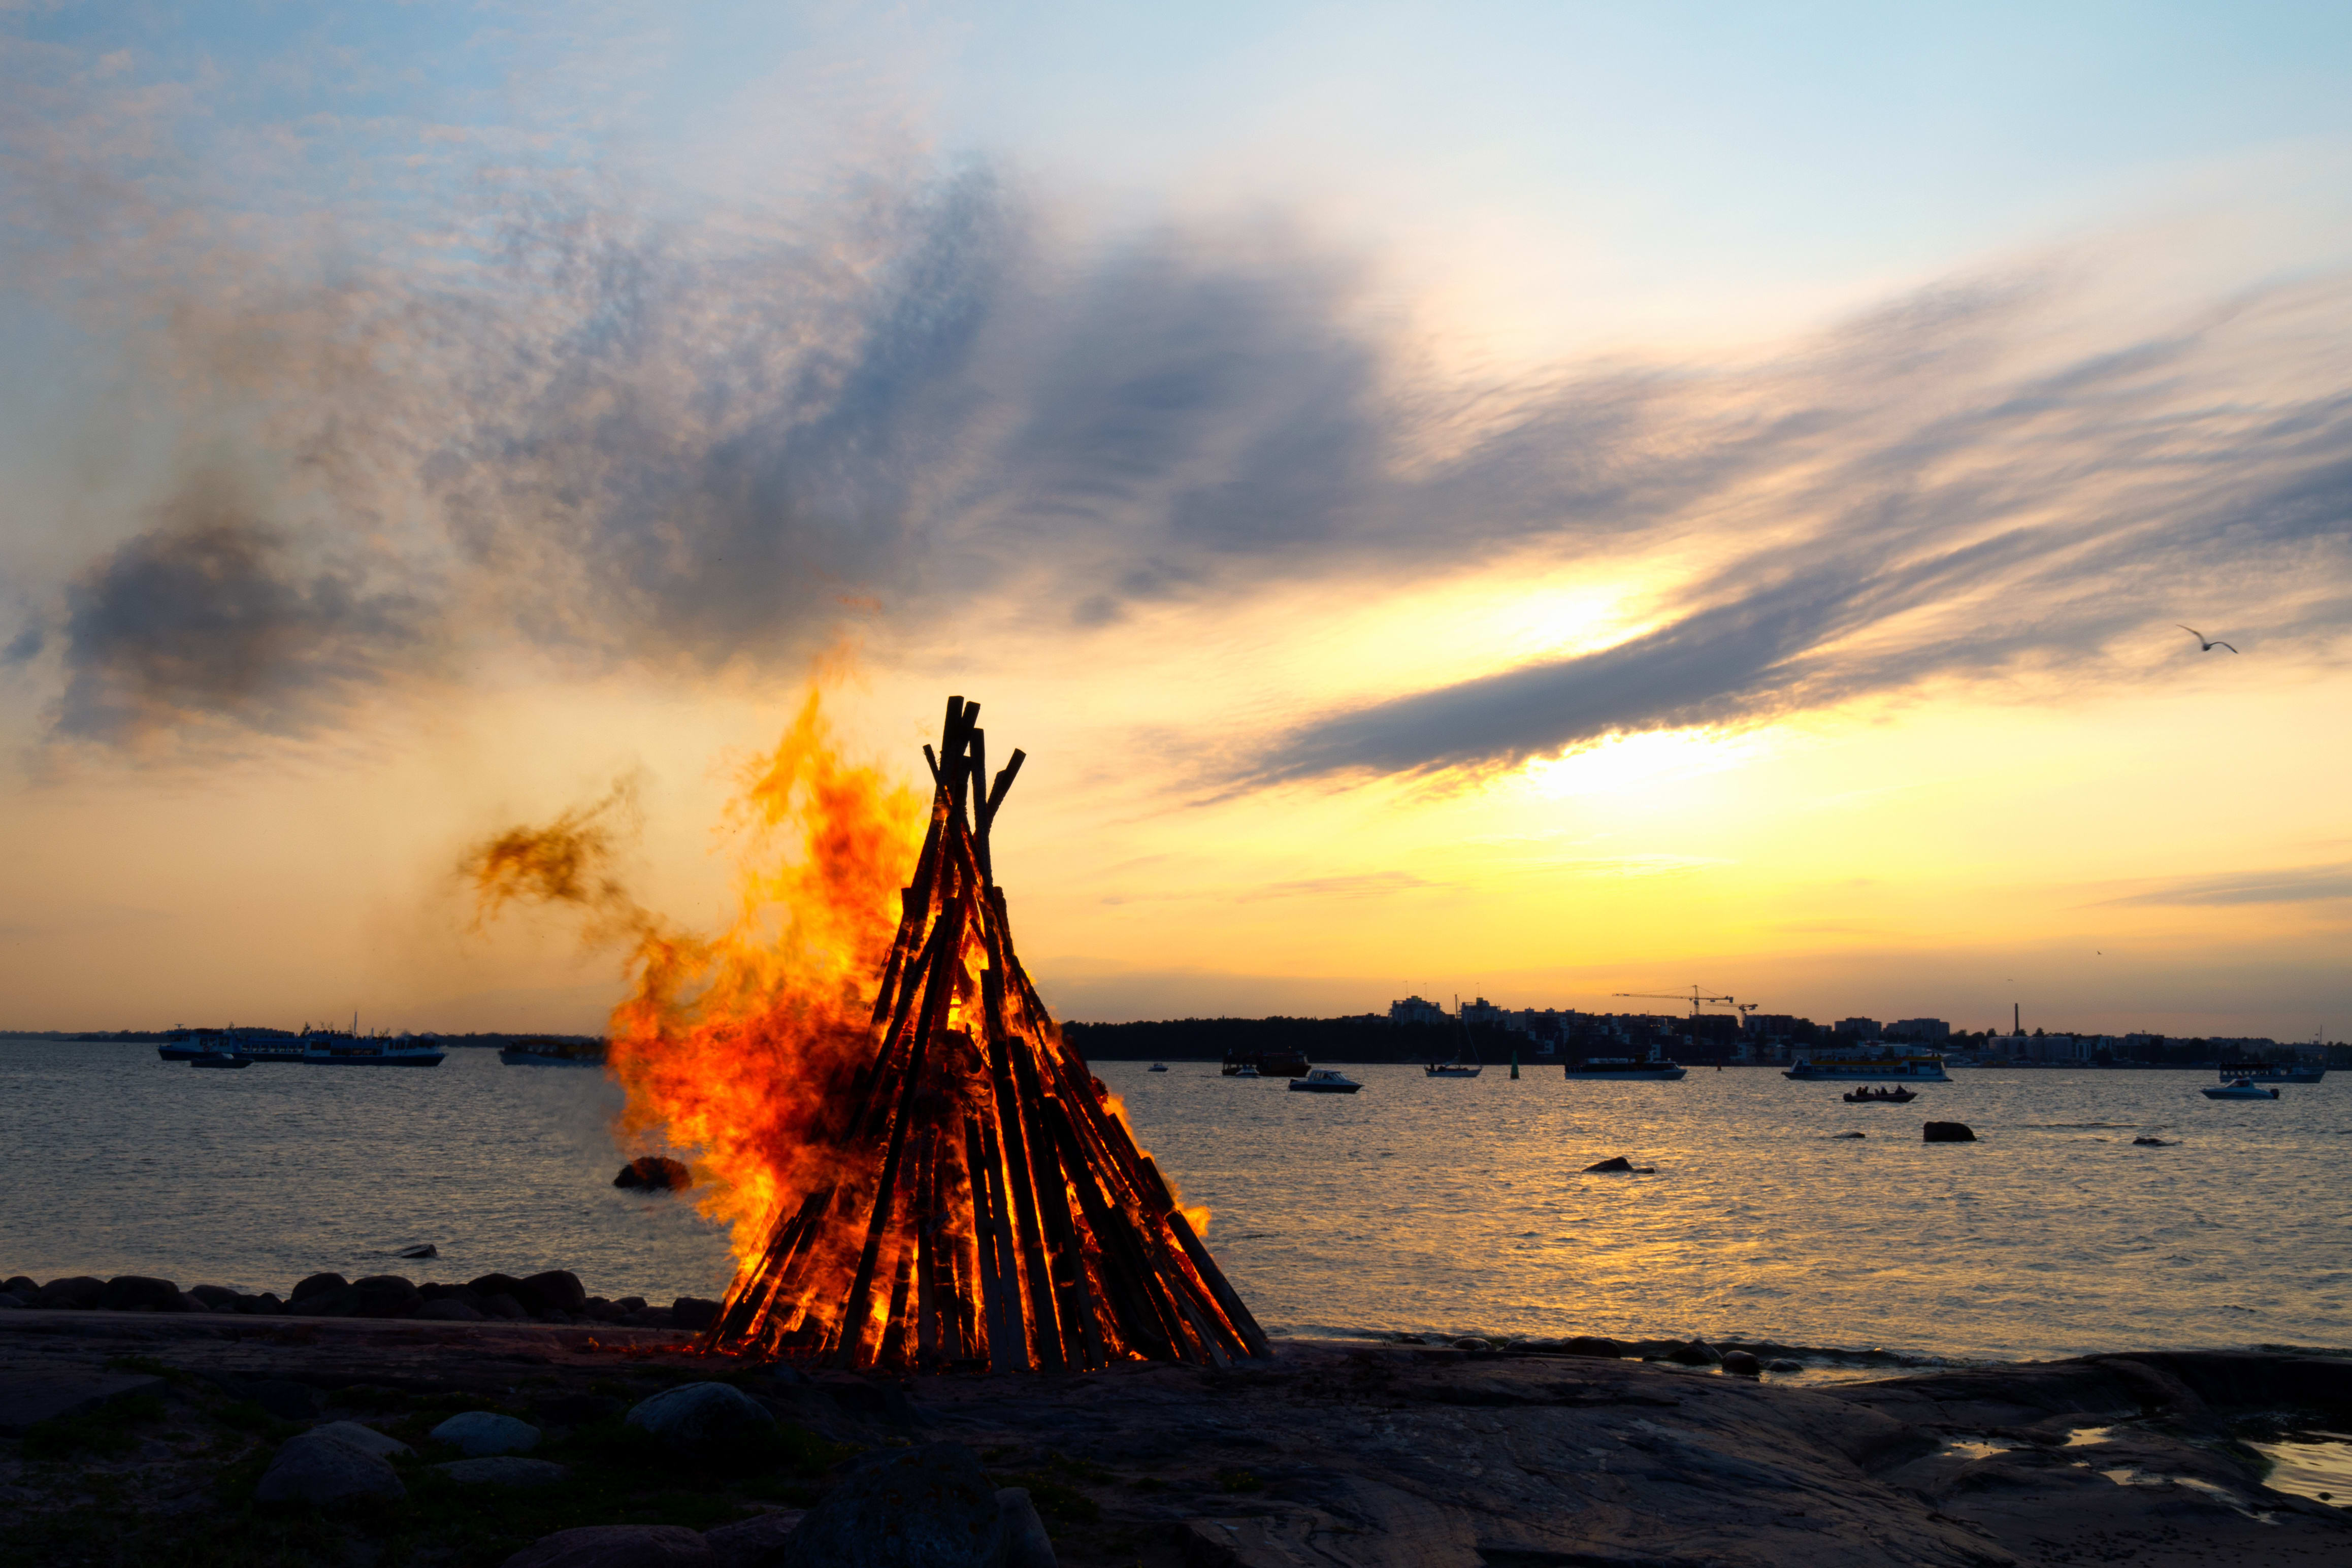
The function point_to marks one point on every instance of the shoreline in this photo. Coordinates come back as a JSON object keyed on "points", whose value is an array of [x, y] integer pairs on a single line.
{"points": [[1384, 1455]]}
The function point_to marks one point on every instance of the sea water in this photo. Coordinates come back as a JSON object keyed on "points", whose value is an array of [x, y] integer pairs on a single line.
{"points": [[1447, 1206]]}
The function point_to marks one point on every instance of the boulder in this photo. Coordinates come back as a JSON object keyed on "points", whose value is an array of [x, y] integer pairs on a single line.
{"points": [[477, 1434], [1619, 1163], [695, 1312], [616, 1546], [317, 1283], [423, 1249], [1472, 1343], [1837, 1135], [554, 1291], [266, 1304], [215, 1298], [504, 1470], [505, 1307], [367, 1440], [1023, 1542], [752, 1543], [320, 1467], [447, 1309], [10, 1303], [1591, 1344], [198, 1304], [384, 1296], [337, 1302], [694, 1414], [23, 1284], [629, 1304], [490, 1285], [931, 1506], [1695, 1353], [77, 1291], [140, 1293], [652, 1173], [2144, 1142], [1739, 1363], [1947, 1132], [1782, 1364]]}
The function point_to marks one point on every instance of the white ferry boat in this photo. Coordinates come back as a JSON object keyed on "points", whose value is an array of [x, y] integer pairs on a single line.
{"points": [[1652, 1069], [1872, 1064], [2272, 1072]]}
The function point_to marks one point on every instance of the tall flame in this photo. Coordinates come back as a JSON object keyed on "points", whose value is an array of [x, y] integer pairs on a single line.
{"points": [[727, 1045]]}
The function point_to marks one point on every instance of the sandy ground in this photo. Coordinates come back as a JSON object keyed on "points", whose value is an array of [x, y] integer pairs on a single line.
{"points": [[137, 1437]]}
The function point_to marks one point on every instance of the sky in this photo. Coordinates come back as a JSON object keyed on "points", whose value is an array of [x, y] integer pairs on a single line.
{"points": [[1531, 501]]}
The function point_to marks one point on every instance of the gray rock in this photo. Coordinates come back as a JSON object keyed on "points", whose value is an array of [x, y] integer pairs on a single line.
{"points": [[1741, 1364], [384, 1296], [366, 1439], [503, 1470], [1024, 1543], [449, 1310], [140, 1293], [909, 1508], [320, 1467], [76, 1291], [616, 1546], [753, 1542], [477, 1433], [34, 1394], [1782, 1364], [1693, 1353], [317, 1283], [555, 1290], [694, 1413], [1594, 1345], [215, 1298], [1472, 1343]]}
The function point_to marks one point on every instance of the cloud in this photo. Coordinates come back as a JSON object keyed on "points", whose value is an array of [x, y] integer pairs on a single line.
{"points": [[2312, 884], [618, 429]]}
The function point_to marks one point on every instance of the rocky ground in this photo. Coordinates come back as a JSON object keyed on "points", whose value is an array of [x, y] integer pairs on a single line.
{"points": [[150, 1438]]}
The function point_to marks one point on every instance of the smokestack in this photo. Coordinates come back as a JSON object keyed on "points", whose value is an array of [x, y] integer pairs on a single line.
{"points": [[2014, 1026]]}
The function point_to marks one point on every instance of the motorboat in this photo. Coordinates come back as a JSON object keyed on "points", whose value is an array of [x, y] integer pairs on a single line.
{"points": [[2273, 1072], [1882, 1095], [1457, 1068], [1157, 1067], [2240, 1089], [1324, 1081], [1872, 1064]]}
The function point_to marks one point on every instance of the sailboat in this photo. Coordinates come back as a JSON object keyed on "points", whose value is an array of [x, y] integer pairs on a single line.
{"points": [[1457, 1068]]}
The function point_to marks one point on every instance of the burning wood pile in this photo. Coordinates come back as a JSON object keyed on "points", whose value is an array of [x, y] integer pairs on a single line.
{"points": [[984, 1207]]}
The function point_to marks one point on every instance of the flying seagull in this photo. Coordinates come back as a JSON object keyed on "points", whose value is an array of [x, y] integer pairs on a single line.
{"points": [[2204, 642]]}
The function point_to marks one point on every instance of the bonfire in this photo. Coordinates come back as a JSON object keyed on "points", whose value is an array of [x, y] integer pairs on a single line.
{"points": [[983, 1204]]}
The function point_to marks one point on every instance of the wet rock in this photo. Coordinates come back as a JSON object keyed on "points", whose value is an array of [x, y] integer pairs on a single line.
{"points": [[424, 1250], [554, 1290], [1617, 1162], [477, 1434], [652, 1173], [321, 1467], [1835, 1136], [694, 1415], [1739, 1363], [316, 1284], [1472, 1343], [694, 1312], [78, 1291], [1591, 1344], [1947, 1132], [1021, 1534], [447, 1309], [754, 1542], [616, 1546], [1695, 1353], [907, 1507], [503, 1470], [2146, 1142], [1782, 1364], [140, 1293]]}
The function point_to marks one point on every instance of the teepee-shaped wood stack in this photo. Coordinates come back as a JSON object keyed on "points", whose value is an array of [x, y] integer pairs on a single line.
{"points": [[973, 1202]]}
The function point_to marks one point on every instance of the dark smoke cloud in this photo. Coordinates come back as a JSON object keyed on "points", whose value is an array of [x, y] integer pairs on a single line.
{"points": [[207, 620], [690, 441]]}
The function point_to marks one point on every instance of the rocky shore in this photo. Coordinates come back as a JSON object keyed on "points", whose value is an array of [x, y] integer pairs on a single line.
{"points": [[554, 1296], [155, 1436]]}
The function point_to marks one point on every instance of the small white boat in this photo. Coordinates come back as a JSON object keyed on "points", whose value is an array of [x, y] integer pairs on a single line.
{"points": [[2240, 1089], [1157, 1067], [1324, 1081]]}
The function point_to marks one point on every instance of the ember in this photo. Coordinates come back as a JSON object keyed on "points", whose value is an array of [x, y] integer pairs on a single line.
{"points": [[984, 1205]]}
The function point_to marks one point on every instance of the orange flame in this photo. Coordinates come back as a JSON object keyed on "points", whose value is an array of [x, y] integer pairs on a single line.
{"points": [[727, 1045]]}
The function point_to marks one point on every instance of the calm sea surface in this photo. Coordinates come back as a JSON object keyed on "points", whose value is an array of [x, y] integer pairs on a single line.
{"points": [[1450, 1206]]}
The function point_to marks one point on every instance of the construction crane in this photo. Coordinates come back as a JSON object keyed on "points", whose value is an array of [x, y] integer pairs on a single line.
{"points": [[1695, 1000]]}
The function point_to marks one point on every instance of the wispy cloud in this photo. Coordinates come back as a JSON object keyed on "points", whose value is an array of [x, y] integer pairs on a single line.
{"points": [[2311, 884]]}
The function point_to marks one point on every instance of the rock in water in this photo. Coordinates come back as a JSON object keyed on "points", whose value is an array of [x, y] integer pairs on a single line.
{"points": [[1619, 1163], [652, 1173], [1593, 1344], [1022, 1533], [1472, 1343], [477, 1434], [503, 1470], [1848, 1135], [1739, 1363], [1693, 1353], [616, 1546], [320, 1467], [2146, 1142], [695, 1413], [910, 1507], [138, 1293], [1947, 1132], [77, 1291], [424, 1250]]}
